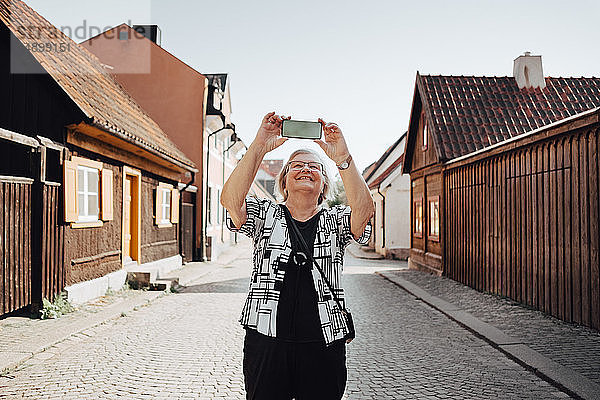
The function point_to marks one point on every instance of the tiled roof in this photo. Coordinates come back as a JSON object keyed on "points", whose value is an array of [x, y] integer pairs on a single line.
{"points": [[470, 113], [396, 164], [83, 78]]}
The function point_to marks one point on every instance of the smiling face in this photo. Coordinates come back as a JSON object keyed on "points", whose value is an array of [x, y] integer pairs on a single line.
{"points": [[304, 180]]}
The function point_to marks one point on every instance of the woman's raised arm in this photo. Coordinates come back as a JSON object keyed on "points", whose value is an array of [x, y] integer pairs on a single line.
{"points": [[357, 192], [238, 184]]}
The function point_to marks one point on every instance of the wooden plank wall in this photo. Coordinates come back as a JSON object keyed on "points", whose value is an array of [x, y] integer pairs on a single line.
{"points": [[525, 224], [53, 265], [15, 245]]}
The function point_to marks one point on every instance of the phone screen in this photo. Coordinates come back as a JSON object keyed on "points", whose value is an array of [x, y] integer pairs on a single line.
{"points": [[301, 129]]}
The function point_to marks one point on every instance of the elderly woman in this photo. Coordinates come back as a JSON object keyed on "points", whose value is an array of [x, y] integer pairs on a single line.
{"points": [[296, 332]]}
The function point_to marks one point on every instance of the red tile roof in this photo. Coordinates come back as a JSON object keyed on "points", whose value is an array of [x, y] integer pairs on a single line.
{"points": [[470, 113], [83, 78]]}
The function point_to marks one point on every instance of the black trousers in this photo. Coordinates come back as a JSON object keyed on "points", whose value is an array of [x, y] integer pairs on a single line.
{"points": [[277, 370]]}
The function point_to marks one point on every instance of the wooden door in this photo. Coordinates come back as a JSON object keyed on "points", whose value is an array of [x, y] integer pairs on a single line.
{"points": [[127, 219], [187, 231]]}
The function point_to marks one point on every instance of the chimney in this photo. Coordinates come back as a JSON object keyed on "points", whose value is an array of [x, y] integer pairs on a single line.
{"points": [[527, 71], [152, 32]]}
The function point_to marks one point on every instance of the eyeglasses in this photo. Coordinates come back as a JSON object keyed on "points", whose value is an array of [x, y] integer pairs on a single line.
{"points": [[312, 165]]}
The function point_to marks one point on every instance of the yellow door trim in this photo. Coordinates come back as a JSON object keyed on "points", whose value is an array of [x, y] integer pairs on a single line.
{"points": [[136, 200]]}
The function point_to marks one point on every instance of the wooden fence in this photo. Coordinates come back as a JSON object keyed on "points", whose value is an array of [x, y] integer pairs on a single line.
{"points": [[53, 274], [15, 243], [525, 224]]}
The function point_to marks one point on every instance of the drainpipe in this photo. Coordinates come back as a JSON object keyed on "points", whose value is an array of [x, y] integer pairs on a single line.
{"points": [[228, 126], [382, 219]]}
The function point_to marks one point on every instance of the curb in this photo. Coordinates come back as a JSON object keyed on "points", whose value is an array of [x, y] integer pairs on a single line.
{"points": [[11, 360], [356, 252], [571, 382]]}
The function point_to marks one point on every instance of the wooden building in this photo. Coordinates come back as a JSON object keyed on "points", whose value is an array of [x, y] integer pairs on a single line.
{"points": [[522, 219], [89, 180], [504, 192]]}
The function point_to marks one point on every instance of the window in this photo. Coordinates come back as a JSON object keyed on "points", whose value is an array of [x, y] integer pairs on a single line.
{"points": [[418, 217], [209, 205], [87, 194], [218, 206], [167, 205], [425, 135], [434, 218]]}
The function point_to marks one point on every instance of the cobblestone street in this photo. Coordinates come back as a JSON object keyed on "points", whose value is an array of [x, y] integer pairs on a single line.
{"points": [[188, 345]]}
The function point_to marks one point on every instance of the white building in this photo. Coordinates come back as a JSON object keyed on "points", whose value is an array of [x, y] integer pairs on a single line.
{"points": [[223, 150], [391, 193]]}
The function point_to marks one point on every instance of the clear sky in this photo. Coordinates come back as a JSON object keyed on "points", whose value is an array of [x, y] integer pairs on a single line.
{"points": [[352, 62]]}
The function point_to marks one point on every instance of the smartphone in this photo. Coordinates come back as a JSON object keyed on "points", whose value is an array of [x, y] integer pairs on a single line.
{"points": [[301, 129]]}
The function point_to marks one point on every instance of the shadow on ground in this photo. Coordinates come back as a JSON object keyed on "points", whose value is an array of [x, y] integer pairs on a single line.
{"points": [[230, 286]]}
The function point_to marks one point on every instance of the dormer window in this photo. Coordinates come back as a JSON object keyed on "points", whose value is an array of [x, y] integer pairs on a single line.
{"points": [[425, 136], [217, 98]]}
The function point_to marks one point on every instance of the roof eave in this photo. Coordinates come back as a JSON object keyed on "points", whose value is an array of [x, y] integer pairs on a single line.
{"points": [[384, 156], [96, 124], [410, 138]]}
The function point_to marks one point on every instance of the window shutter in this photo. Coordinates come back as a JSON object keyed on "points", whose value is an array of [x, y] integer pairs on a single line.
{"points": [[157, 207], [70, 191], [107, 194], [174, 206]]}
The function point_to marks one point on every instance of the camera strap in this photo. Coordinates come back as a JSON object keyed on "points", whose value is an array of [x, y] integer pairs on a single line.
{"points": [[305, 248]]}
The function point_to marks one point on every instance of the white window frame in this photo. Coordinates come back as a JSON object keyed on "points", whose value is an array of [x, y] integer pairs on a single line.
{"points": [[165, 205], [84, 212]]}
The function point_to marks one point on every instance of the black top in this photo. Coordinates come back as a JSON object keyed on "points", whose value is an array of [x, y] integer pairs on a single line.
{"points": [[297, 314]]}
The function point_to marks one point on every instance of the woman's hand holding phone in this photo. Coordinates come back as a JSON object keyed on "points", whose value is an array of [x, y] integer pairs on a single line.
{"points": [[269, 137], [334, 145]]}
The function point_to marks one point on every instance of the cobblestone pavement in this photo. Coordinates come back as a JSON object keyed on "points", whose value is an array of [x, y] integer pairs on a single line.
{"points": [[189, 346], [22, 334], [570, 345]]}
